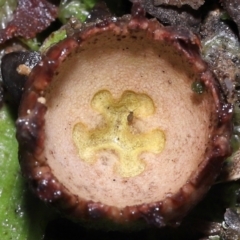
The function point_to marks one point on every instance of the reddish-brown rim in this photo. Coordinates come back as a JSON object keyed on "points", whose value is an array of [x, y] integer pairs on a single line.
{"points": [[30, 131]]}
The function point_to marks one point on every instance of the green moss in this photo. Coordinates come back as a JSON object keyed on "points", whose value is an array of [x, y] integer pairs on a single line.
{"points": [[33, 44], [54, 38], [13, 225], [75, 8], [22, 216]]}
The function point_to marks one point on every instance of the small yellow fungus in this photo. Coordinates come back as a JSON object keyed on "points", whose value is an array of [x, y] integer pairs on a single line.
{"points": [[116, 133]]}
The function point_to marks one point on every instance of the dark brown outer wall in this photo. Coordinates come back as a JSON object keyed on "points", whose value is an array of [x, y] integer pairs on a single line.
{"points": [[30, 131]]}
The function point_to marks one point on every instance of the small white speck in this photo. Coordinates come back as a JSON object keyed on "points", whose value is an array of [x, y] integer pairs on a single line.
{"points": [[28, 111], [41, 100]]}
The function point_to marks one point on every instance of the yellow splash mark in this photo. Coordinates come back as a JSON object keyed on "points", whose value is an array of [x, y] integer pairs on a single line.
{"points": [[116, 134]]}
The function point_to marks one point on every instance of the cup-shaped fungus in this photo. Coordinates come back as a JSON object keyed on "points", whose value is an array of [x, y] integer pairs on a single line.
{"points": [[123, 121]]}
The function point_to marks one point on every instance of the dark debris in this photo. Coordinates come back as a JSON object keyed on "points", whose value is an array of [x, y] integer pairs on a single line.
{"points": [[231, 225], [233, 9], [221, 49], [184, 17], [30, 18], [13, 79], [99, 11], [193, 3]]}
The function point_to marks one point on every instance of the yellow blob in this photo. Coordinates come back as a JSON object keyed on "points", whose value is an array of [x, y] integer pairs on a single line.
{"points": [[116, 133]]}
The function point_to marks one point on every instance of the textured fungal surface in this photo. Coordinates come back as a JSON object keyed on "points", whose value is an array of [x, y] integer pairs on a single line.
{"points": [[113, 125]]}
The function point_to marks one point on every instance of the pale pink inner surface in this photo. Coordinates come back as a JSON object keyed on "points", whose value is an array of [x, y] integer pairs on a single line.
{"points": [[141, 66]]}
